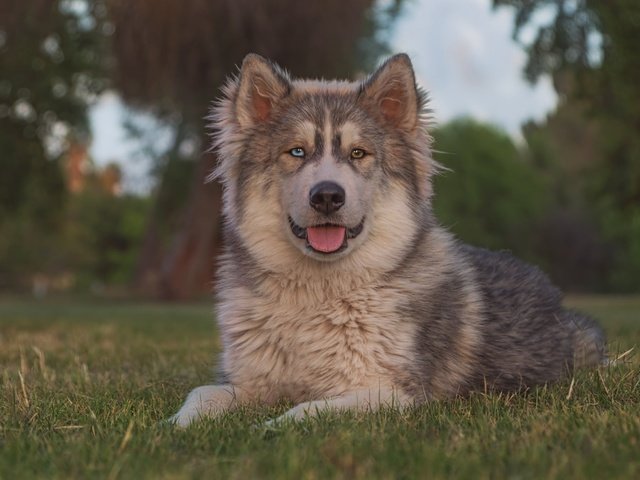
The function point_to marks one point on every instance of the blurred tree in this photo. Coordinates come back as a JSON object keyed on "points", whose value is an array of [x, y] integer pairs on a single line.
{"points": [[101, 234], [51, 68], [564, 149], [590, 50], [171, 57], [491, 197], [568, 240]]}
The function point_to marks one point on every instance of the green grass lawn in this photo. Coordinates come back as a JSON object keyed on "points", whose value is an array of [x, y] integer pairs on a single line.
{"points": [[85, 386]]}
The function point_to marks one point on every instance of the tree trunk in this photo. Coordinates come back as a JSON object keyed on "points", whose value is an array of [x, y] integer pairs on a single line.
{"points": [[187, 269], [146, 278]]}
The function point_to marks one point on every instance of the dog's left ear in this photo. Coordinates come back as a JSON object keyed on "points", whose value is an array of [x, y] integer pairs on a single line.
{"points": [[262, 84], [394, 93]]}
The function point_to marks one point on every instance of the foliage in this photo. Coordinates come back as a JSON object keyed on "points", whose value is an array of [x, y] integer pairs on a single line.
{"points": [[50, 59], [95, 242], [86, 385], [102, 235], [171, 69], [565, 42], [590, 49], [52, 68], [491, 197], [569, 238]]}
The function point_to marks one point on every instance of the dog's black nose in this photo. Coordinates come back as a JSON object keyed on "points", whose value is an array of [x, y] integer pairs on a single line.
{"points": [[326, 197]]}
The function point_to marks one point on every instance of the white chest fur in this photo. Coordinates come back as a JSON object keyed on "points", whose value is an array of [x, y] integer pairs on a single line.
{"points": [[305, 342]]}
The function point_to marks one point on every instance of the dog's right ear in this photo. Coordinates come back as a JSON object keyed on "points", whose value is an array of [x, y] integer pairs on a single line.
{"points": [[262, 84]]}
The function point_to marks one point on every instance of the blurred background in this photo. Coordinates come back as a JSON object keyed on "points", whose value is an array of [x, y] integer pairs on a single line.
{"points": [[102, 132]]}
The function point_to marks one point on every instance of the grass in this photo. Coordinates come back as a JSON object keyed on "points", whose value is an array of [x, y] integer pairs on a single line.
{"points": [[84, 387]]}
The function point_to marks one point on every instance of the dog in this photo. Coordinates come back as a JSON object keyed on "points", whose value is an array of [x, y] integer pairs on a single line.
{"points": [[337, 287]]}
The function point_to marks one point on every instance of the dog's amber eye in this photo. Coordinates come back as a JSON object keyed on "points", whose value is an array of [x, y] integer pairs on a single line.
{"points": [[297, 152], [357, 153]]}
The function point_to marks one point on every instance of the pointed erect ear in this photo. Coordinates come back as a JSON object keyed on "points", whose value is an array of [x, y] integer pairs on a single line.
{"points": [[392, 89], [262, 85]]}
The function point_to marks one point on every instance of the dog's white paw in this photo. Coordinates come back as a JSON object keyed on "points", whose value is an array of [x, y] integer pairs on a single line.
{"points": [[204, 402], [185, 416], [274, 425], [277, 423]]}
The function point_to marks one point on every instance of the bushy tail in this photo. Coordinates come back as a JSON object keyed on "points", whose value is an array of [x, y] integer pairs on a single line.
{"points": [[589, 341]]}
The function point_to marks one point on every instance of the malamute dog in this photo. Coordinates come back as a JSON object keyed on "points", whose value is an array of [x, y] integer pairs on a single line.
{"points": [[338, 289]]}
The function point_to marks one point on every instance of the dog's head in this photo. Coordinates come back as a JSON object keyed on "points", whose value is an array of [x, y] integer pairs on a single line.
{"points": [[330, 170]]}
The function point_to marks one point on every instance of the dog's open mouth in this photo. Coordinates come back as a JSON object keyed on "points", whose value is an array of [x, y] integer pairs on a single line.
{"points": [[326, 238]]}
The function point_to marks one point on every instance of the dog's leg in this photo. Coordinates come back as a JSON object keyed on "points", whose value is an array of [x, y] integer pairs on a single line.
{"points": [[206, 401], [369, 399]]}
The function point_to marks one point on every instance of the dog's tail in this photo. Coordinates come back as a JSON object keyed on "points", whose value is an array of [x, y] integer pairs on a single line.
{"points": [[589, 341]]}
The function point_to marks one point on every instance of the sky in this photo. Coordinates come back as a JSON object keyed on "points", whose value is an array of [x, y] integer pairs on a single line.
{"points": [[463, 54]]}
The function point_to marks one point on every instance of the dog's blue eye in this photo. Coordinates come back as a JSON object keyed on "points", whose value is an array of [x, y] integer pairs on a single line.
{"points": [[297, 152]]}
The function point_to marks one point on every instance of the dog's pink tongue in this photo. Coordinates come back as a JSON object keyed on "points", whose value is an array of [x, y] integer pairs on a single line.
{"points": [[326, 239]]}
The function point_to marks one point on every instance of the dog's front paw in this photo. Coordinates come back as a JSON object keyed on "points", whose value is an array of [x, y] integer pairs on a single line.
{"points": [[203, 402], [275, 425], [182, 420], [278, 422], [299, 412], [190, 412]]}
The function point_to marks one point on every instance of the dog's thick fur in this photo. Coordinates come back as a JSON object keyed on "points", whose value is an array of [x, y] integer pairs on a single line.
{"points": [[401, 313]]}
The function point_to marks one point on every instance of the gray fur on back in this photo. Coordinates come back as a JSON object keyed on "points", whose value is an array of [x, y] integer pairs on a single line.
{"points": [[530, 337], [522, 336]]}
